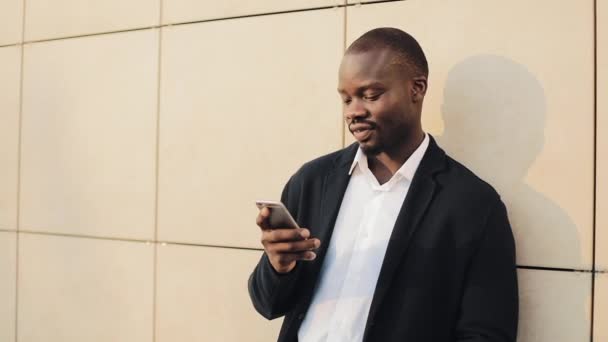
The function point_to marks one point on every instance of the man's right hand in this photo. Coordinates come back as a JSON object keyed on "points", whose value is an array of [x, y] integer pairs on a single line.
{"points": [[285, 246]]}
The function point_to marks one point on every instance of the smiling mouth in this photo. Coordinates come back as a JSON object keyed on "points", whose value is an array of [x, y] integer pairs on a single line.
{"points": [[362, 131], [362, 134]]}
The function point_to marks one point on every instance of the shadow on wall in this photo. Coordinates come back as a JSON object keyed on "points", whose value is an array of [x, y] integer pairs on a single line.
{"points": [[494, 118]]}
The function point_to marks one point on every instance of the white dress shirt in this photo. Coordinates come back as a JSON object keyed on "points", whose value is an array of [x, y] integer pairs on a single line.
{"points": [[340, 305]]}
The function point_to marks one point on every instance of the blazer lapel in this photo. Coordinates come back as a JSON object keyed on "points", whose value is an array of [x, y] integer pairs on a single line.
{"points": [[334, 187], [414, 207]]}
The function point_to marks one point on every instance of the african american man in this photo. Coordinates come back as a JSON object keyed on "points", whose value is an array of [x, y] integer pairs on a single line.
{"points": [[402, 242]]}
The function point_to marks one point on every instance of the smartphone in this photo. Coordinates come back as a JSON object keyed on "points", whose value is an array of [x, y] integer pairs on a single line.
{"points": [[279, 215]]}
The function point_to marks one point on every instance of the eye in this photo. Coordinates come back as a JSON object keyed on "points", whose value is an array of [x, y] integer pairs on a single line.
{"points": [[347, 101], [372, 97]]}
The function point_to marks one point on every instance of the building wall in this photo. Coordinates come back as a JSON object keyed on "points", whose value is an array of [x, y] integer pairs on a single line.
{"points": [[136, 135]]}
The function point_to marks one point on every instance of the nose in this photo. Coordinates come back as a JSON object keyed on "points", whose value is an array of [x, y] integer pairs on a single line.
{"points": [[355, 110]]}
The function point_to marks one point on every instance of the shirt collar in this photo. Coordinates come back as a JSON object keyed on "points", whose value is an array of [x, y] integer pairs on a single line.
{"points": [[408, 168]]}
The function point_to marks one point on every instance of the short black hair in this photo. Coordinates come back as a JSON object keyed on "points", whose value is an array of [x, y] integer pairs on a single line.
{"points": [[403, 44]]}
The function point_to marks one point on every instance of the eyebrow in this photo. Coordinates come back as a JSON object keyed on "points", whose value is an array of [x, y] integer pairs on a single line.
{"points": [[373, 84]]}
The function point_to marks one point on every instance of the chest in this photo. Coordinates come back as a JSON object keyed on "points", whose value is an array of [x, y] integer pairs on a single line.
{"points": [[367, 214]]}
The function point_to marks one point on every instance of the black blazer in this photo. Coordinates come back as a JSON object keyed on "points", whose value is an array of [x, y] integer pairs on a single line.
{"points": [[449, 271]]}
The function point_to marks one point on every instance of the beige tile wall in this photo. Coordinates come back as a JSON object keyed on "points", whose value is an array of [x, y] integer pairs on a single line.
{"points": [[239, 115], [497, 104], [206, 306], [89, 135], [80, 289], [554, 306], [8, 265], [601, 308], [11, 21], [111, 157], [601, 237], [179, 11], [10, 67], [66, 18]]}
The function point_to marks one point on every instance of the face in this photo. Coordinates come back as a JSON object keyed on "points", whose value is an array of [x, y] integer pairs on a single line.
{"points": [[381, 100]]}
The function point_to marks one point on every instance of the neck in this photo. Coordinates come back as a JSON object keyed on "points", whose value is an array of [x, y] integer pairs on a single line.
{"points": [[394, 158]]}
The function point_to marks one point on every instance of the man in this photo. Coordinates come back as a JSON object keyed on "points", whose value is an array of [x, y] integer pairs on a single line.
{"points": [[402, 242]]}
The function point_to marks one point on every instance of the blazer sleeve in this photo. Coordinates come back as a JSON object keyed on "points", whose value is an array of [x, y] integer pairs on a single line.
{"points": [[490, 303], [271, 292]]}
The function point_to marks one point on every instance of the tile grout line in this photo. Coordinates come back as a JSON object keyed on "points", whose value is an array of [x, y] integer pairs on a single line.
{"points": [[6, 230], [19, 147], [9, 45], [253, 15], [176, 243], [199, 22], [92, 34], [158, 242], [558, 269], [594, 208], [169, 242], [84, 236], [157, 168], [175, 24]]}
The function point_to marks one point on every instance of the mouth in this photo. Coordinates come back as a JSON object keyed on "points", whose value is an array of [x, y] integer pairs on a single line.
{"points": [[361, 132]]}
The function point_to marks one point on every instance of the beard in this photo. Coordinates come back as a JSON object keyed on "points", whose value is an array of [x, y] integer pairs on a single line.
{"points": [[381, 143], [371, 150]]}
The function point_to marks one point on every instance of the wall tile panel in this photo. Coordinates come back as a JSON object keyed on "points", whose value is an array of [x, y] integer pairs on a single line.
{"points": [[80, 289], [11, 17], [600, 316], [554, 306], [8, 265], [10, 66], [89, 135], [239, 115], [202, 292], [67, 18]]}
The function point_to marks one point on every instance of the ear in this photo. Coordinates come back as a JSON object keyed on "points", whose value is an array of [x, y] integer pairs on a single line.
{"points": [[419, 85]]}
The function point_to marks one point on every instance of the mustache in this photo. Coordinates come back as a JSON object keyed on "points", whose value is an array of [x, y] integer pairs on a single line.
{"points": [[361, 121]]}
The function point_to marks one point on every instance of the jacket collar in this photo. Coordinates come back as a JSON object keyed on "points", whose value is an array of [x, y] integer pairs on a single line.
{"points": [[407, 170], [432, 162]]}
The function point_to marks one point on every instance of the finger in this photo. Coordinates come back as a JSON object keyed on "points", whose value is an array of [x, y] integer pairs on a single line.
{"points": [[262, 219], [285, 234], [272, 236], [287, 258], [293, 246]]}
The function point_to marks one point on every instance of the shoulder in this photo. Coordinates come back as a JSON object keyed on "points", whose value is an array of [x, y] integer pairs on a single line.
{"points": [[465, 199], [459, 181]]}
